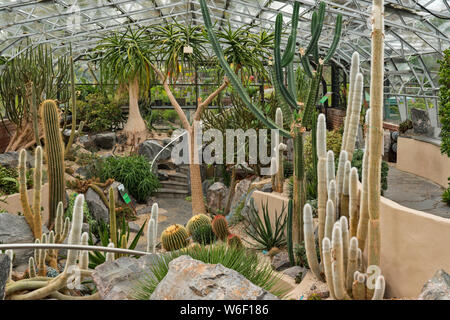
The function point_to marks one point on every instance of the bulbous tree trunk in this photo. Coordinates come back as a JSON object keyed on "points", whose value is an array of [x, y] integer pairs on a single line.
{"points": [[135, 127], [198, 205]]}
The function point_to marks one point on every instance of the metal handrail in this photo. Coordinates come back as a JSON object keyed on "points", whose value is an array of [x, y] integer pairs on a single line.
{"points": [[71, 247], [164, 148]]}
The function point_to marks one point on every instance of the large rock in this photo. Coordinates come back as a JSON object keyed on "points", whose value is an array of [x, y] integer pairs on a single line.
{"points": [[11, 159], [190, 279], [105, 140], [5, 264], [281, 261], [97, 208], [421, 122], [117, 279], [240, 190], [151, 148], [216, 197], [437, 288], [14, 229]]}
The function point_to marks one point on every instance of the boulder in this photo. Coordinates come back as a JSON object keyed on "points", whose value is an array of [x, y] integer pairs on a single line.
{"points": [[421, 122], [97, 208], [116, 280], [106, 140], [296, 271], [5, 264], [437, 288], [189, 279], [281, 261], [267, 187], [151, 148], [11, 159], [216, 197], [205, 186], [240, 190], [14, 229], [87, 142]]}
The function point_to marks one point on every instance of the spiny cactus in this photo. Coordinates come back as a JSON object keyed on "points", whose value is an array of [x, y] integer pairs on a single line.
{"points": [[354, 116], [321, 176], [112, 217], [84, 255], [359, 286], [330, 218], [197, 221], [364, 201], [58, 235], [154, 215], [55, 157], [279, 176], [310, 244], [204, 234], [220, 227], [34, 114], [235, 241], [353, 201], [10, 254], [151, 236], [332, 194], [331, 170], [354, 70], [31, 268], [352, 264], [345, 190], [110, 255], [174, 237], [343, 157], [32, 214]]}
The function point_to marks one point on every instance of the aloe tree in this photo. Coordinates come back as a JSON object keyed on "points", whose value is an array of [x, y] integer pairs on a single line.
{"points": [[125, 59], [298, 116]]}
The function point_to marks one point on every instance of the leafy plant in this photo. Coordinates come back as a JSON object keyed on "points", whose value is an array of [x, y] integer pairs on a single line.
{"points": [[133, 171], [243, 261], [99, 113], [444, 101], [9, 183], [204, 235], [446, 194], [261, 230]]}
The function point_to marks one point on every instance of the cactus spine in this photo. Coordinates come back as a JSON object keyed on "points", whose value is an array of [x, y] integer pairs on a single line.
{"points": [[31, 268], [220, 227], [151, 236], [174, 237], [364, 201], [84, 255], [376, 130], [352, 264], [354, 69], [310, 244], [110, 255], [354, 116], [331, 170], [235, 241], [340, 179], [55, 157], [358, 286], [345, 190]]}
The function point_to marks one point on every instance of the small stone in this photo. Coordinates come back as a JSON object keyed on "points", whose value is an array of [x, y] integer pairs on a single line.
{"points": [[281, 261], [296, 271], [437, 288]]}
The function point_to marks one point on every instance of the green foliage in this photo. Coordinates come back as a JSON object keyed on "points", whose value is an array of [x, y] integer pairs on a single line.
{"points": [[357, 162], [99, 113], [446, 194], [261, 230], [444, 101], [133, 171], [170, 115], [300, 254], [204, 235], [243, 261], [9, 183]]}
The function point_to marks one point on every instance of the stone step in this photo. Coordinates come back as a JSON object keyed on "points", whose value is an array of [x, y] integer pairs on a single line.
{"points": [[178, 177], [171, 184], [171, 193]]}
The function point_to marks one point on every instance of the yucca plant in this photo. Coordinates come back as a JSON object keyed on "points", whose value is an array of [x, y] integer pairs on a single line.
{"points": [[261, 230], [243, 261]]}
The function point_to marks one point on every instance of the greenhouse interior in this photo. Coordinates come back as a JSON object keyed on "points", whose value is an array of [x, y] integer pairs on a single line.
{"points": [[224, 150]]}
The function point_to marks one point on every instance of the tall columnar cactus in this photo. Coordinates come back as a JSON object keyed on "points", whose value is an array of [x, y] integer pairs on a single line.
{"points": [[297, 118], [151, 236], [310, 244], [332, 194], [154, 215], [84, 255], [174, 237], [55, 157], [321, 175], [32, 214], [364, 199], [345, 190], [279, 176], [354, 70], [354, 116], [353, 201], [34, 114], [58, 235], [343, 156], [31, 268], [331, 170], [376, 130], [110, 255], [112, 218], [74, 107], [220, 227]]}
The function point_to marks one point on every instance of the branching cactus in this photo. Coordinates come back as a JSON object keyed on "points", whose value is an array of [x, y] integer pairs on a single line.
{"points": [[32, 214], [54, 148]]}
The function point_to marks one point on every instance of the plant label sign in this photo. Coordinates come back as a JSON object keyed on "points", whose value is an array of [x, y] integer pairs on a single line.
{"points": [[124, 194]]}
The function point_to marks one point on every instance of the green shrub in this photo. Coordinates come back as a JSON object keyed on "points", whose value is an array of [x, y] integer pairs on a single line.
{"points": [[204, 235], [99, 113], [405, 125], [170, 115], [133, 171], [444, 101], [446, 194], [86, 213], [357, 162], [9, 183], [245, 262]]}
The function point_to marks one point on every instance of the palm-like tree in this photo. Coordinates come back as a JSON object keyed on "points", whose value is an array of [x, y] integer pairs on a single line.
{"points": [[125, 59]]}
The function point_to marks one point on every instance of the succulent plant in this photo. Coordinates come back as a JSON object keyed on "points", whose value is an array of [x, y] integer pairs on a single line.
{"points": [[197, 221], [233, 240], [204, 234], [220, 227], [174, 237]]}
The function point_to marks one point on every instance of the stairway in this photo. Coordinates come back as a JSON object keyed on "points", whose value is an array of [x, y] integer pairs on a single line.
{"points": [[177, 186]]}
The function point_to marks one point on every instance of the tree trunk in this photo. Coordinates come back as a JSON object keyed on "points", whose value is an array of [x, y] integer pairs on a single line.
{"points": [[231, 192], [135, 127], [198, 205]]}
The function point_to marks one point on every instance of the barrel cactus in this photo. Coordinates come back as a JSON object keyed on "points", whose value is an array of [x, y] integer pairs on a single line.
{"points": [[197, 221], [174, 237], [220, 227], [204, 234], [235, 241]]}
